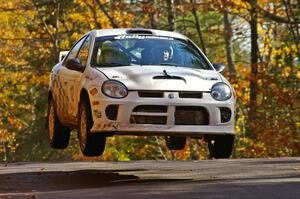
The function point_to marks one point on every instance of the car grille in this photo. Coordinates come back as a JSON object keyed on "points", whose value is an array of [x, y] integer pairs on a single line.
{"points": [[151, 109], [149, 114], [190, 115], [190, 95], [156, 114], [151, 94]]}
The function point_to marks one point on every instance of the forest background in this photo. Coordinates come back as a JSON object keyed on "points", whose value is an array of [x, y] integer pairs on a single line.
{"points": [[259, 41]]}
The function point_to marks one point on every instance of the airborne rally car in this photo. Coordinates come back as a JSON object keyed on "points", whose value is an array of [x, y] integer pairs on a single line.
{"points": [[139, 82]]}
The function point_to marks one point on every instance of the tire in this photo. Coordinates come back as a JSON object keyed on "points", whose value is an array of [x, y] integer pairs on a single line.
{"points": [[91, 144], [221, 146], [59, 135], [175, 143]]}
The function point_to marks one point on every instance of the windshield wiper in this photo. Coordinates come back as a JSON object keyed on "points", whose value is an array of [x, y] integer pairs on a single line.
{"points": [[168, 76]]}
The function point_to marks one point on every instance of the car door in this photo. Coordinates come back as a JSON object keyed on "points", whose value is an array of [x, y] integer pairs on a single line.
{"points": [[71, 79], [75, 84]]}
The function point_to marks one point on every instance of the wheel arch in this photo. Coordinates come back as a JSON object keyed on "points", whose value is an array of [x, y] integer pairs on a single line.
{"points": [[50, 96], [84, 95], [48, 106]]}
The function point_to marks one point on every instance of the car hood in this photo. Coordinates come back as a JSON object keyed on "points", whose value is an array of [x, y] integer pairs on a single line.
{"points": [[154, 77]]}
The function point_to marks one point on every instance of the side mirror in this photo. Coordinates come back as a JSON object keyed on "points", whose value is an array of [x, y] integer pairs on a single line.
{"points": [[74, 64], [220, 67], [62, 55]]}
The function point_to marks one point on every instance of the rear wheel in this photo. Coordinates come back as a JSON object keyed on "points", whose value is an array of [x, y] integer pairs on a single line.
{"points": [[175, 143], [221, 146], [91, 144], [59, 135]]}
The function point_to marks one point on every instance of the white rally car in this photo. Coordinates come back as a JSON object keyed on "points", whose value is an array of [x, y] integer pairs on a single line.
{"points": [[139, 82]]}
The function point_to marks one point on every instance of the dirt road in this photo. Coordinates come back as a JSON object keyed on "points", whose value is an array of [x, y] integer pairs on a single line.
{"points": [[243, 178]]}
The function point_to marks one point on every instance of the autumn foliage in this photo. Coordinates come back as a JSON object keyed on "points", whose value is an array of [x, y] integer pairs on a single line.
{"points": [[259, 40]]}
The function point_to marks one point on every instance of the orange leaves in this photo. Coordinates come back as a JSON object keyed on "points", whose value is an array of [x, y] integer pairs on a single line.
{"points": [[246, 147], [9, 138], [15, 123], [39, 79]]}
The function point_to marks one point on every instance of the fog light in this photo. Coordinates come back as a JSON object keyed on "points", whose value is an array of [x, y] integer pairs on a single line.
{"points": [[111, 112], [225, 114]]}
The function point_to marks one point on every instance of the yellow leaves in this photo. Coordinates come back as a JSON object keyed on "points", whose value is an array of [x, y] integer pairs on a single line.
{"points": [[287, 50], [65, 44], [80, 2], [75, 36], [79, 18], [250, 148], [9, 138], [286, 72], [39, 79], [237, 129], [298, 75], [8, 4], [242, 89], [123, 157]]}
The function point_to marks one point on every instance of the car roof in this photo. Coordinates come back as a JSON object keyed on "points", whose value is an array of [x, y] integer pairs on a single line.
{"points": [[126, 31]]}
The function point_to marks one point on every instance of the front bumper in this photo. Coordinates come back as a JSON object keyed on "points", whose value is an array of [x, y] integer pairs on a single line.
{"points": [[123, 124]]}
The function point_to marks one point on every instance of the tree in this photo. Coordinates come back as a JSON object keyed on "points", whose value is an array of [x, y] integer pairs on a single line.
{"points": [[198, 27], [171, 17], [228, 33], [254, 66]]}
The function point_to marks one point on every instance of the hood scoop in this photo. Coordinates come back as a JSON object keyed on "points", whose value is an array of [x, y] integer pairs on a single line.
{"points": [[167, 76]]}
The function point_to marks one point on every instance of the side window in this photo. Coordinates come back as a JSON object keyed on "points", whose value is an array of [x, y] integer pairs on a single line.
{"points": [[73, 53], [84, 51]]}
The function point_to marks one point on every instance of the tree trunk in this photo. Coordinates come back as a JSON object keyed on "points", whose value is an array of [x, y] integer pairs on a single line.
{"points": [[254, 70], [57, 48], [228, 43], [198, 27], [171, 18], [294, 28], [151, 15]]}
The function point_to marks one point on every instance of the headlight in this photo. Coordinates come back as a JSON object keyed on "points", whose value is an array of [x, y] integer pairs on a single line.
{"points": [[220, 91], [114, 89]]}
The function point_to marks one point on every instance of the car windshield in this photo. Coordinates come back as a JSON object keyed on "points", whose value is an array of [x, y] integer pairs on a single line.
{"points": [[141, 50]]}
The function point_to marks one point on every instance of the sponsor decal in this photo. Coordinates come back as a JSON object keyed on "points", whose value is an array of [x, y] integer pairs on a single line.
{"points": [[94, 91], [97, 113], [142, 37]]}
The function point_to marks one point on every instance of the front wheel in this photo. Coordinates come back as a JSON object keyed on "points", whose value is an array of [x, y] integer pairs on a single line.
{"points": [[221, 146], [91, 144], [59, 135]]}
